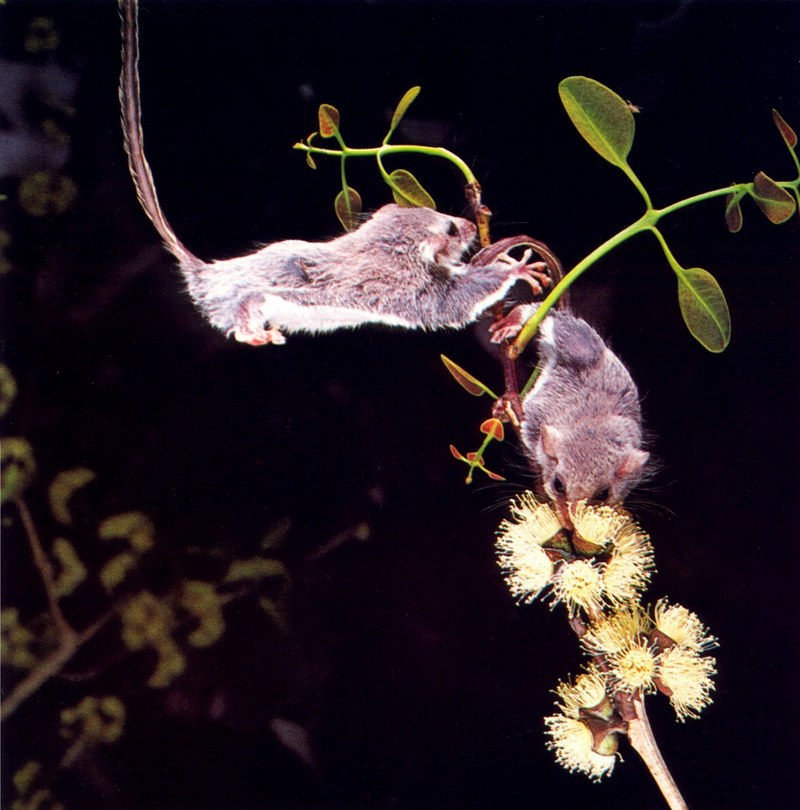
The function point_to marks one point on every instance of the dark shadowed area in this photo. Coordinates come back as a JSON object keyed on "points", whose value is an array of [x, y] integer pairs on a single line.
{"points": [[391, 667]]}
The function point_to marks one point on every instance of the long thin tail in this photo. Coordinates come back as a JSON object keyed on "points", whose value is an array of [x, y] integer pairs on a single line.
{"points": [[130, 104]]}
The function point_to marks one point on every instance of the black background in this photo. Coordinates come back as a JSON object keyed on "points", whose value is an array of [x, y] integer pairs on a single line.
{"points": [[419, 681]]}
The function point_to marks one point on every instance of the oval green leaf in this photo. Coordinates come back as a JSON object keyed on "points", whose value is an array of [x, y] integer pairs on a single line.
{"points": [[403, 105], [776, 203], [407, 191], [603, 118], [348, 208], [704, 308], [328, 120]]}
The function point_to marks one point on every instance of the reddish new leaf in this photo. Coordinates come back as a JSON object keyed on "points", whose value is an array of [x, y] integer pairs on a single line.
{"points": [[787, 133], [469, 383], [775, 202], [328, 120], [733, 213], [454, 452], [494, 428]]}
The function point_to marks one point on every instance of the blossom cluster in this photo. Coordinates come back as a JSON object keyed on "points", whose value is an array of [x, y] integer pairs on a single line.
{"points": [[609, 561], [600, 567]]}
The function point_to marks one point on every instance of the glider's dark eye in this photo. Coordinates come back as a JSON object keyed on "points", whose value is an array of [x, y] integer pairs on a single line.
{"points": [[453, 229], [558, 486]]}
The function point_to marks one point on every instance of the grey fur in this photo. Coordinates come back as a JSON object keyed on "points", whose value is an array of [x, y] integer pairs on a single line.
{"points": [[582, 423], [403, 267]]}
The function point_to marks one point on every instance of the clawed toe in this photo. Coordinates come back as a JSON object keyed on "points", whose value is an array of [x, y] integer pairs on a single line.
{"points": [[260, 338]]}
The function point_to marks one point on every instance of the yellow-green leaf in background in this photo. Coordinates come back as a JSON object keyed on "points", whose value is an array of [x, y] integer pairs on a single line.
{"points": [[254, 568], [64, 486], [135, 527], [8, 388], [114, 572], [202, 601], [72, 572], [18, 467]]}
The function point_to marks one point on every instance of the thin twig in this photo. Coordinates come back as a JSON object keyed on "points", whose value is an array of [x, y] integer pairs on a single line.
{"points": [[43, 565], [643, 742], [50, 666], [482, 214]]}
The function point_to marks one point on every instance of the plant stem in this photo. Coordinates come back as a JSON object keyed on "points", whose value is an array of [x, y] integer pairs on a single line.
{"points": [[643, 742], [646, 222], [69, 640], [42, 563], [529, 330], [392, 149], [50, 666]]}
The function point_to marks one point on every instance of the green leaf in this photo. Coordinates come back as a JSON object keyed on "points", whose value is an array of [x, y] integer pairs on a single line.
{"points": [[407, 191], [348, 208], [469, 383], [787, 133], [704, 308], [403, 105], [775, 202], [733, 212], [312, 164], [328, 120], [603, 118], [64, 486], [18, 468]]}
